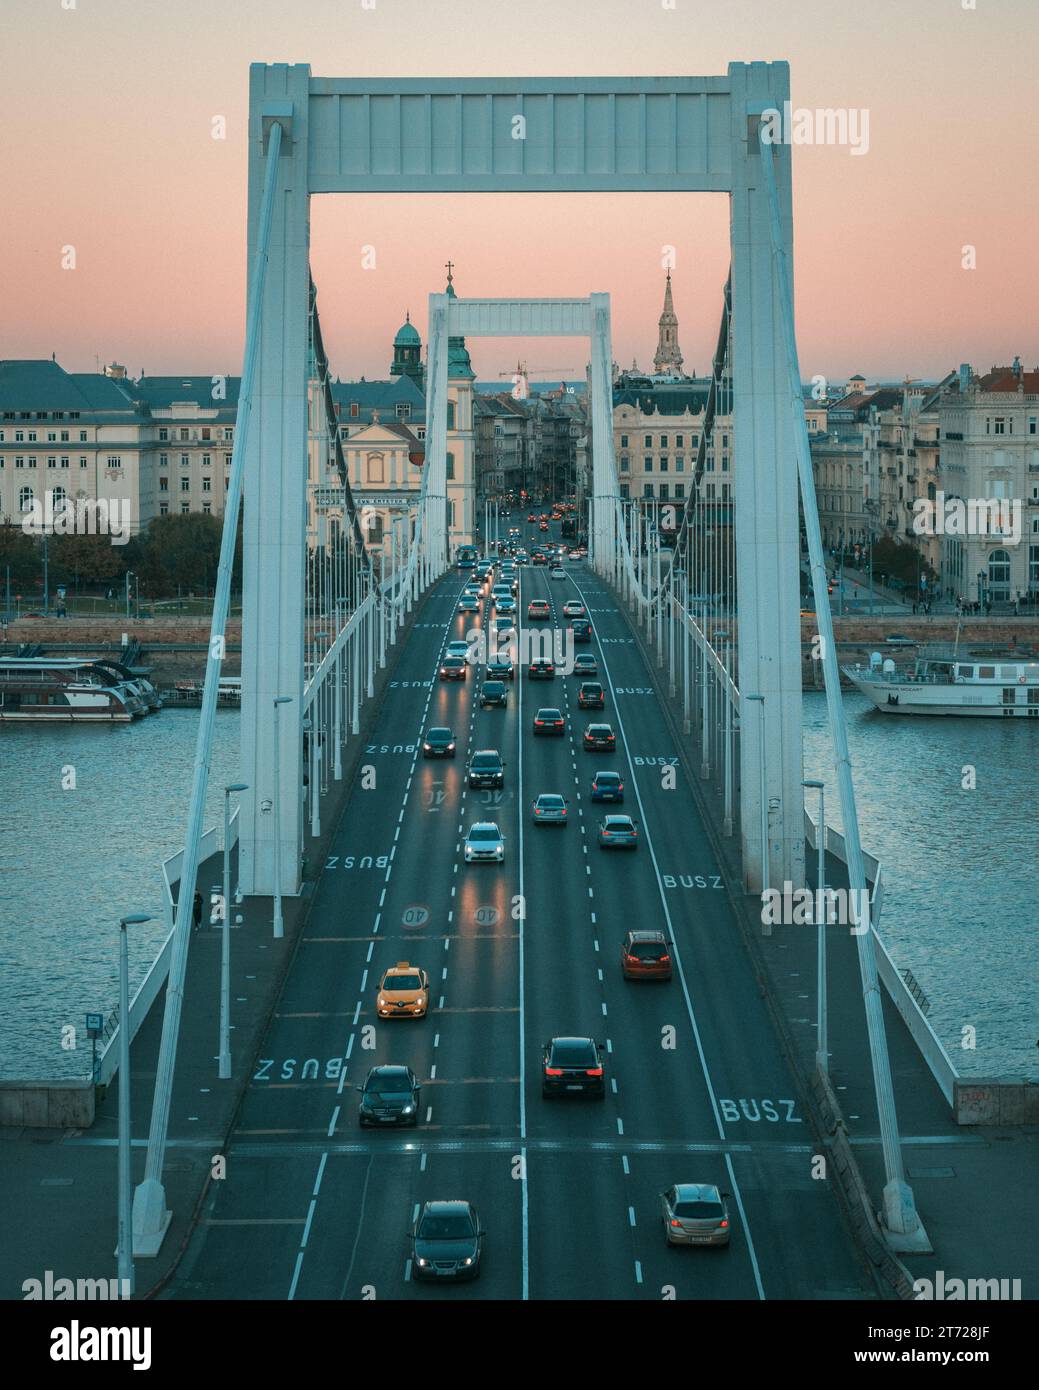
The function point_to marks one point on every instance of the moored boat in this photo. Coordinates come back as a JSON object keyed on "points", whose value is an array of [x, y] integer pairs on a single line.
{"points": [[66, 690], [992, 685]]}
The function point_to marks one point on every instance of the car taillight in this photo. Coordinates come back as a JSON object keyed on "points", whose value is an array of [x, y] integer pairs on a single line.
{"points": [[553, 1071], [537, 810], [675, 1221], [594, 1071], [664, 959], [723, 1224], [538, 723]]}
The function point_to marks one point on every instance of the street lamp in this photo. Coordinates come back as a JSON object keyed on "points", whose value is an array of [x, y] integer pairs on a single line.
{"points": [[821, 1054], [279, 925], [762, 793], [225, 940], [124, 1247]]}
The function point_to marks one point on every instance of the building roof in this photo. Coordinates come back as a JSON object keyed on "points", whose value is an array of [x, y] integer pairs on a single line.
{"points": [[1005, 379], [664, 398], [160, 392], [383, 396], [40, 386], [407, 334]]}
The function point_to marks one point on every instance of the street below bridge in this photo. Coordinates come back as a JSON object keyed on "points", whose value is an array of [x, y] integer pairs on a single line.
{"points": [[568, 1189]]}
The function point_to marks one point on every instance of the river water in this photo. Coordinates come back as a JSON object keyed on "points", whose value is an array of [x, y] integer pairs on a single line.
{"points": [[961, 867]]}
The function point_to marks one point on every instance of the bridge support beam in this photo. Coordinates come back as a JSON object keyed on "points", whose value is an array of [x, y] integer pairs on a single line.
{"points": [[767, 530], [274, 537]]}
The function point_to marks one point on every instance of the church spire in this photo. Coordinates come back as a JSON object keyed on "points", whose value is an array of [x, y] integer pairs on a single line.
{"points": [[668, 360]]}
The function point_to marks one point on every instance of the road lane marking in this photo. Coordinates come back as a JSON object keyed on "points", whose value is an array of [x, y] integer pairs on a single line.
{"points": [[295, 1276], [306, 1228], [332, 1122]]}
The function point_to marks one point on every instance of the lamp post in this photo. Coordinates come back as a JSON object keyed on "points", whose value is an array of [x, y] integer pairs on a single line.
{"points": [[821, 1053], [762, 793], [124, 1245], [279, 925], [224, 1071]]}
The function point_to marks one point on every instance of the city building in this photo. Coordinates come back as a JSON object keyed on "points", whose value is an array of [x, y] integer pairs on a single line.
{"points": [[989, 430]]}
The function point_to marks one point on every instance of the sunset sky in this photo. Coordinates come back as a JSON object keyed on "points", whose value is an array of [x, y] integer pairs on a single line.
{"points": [[107, 109]]}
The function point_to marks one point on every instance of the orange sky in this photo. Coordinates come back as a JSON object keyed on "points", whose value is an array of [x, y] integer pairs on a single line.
{"points": [[107, 111]]}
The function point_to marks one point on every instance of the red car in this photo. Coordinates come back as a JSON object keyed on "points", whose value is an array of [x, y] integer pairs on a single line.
{"points": [[645, 955], [453, 668]]}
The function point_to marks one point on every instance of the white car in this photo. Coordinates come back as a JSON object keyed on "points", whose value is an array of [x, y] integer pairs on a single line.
{"points": [[484, 842], [574, 609], [458, 648], [557, 573]]}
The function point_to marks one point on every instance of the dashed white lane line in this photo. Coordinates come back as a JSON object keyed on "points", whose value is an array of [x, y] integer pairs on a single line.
{"points": [[350, 1043], [332, 1122], [295, 1275], [433, 1072], [638, 1271], [371, 948], [631, 1216], [407, 1270], [429, 1113], [625, 1165], [320, 1175], [364, 979], [436, 1039], [422, 1162], [357, 1011], [441, 1004]]}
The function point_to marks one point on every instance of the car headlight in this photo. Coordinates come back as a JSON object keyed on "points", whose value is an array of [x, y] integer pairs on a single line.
{"points": [[468, 1260], [407, 1110], [421, 1262], [382, 1002]]}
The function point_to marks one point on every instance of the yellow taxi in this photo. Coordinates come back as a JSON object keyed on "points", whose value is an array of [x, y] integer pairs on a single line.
{"points": [[403, 992]]}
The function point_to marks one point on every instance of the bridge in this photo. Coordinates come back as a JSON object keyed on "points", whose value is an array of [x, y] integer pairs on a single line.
{"points": [[704, 638]]}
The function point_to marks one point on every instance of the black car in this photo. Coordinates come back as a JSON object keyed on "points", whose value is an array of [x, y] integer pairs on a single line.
{"points": [[549, 721], [390, 1096], [591, 696], [446, 1241], [486, 769], [500, 668], [572, 1066], [438, 743], [582, 630], [494, 693], [542, 668], [598, 737]]}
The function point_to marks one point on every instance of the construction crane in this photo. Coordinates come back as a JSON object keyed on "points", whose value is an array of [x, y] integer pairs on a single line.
{"points": [[521, 378]]}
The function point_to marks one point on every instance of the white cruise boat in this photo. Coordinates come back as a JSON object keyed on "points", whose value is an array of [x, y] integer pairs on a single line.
{"points": [[983, 684], [66, 690]]}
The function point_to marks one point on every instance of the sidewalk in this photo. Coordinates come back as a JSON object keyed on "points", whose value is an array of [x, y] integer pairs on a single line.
{"points": [[59, 1188], [974, 1187]]}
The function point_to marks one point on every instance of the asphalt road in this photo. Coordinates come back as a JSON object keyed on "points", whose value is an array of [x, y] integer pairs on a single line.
{"points": [[568, 1189]]}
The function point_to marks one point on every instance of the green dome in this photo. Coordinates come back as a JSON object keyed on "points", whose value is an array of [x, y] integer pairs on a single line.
{"points": [[407, 335]]}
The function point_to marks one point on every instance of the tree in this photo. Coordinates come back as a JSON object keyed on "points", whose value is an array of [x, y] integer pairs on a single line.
{"points": [[20, 552], [182, 551]]}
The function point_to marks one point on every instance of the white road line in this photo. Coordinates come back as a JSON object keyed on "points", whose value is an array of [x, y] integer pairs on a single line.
{"points": [[422, 1162], [320, 1174], [429, 1113], [433, 1072], [332, 1122], [407, 1270], [364, 979], [306, 1228], [638, 1272], [371, 948], [436, 1036], [342, 1078], [631, 1210], [678, 961], [295, 1276], [625, 1165], [350, 1042], [357, 1011]]}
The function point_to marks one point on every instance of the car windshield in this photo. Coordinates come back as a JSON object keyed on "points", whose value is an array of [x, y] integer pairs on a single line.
{"points": [[449, 1226], [607, 779], [404, 982], [647, 950], [700, 1211], [483, 832], [549, 714], [454, 661], [574, 1054], [486, 760], [394, 1085], [493, 688], [552, 802], [439, 736]]}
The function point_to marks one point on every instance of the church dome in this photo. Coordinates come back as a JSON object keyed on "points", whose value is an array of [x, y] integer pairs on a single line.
{"points": [[407, 335]]}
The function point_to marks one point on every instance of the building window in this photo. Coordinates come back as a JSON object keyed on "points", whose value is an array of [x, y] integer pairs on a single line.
{"points": [[1032, 424], [647, 464], [19, 436], [1000, 425], [164, 484], [679, 465], [32, 461], [375, 468], [403, 410], [625, 463], [59, 499], [82, 460], [624, 441], [114, 461], [184, 434], [64, 460], [207, 484], [82, 436], [450, 466], [164, 460], [185, 508], [647, 440], [355, 410], [624, 491], [647, 489], [207, 433], [52, 461], [184, 460], [663, 492], [52, 436], [679, 441], [32, 436], [450, 415], [207, 460], [64, 436], [185, 484], [229, 432], [663, 441], [227, 460], [663, 465], [1033, 569], [679, 490], [207, 507], [164, 434], [164, 509], [999, 574]]}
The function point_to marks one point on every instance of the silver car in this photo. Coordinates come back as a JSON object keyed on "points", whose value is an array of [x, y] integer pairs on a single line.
{"points": [[695, 1214]]}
